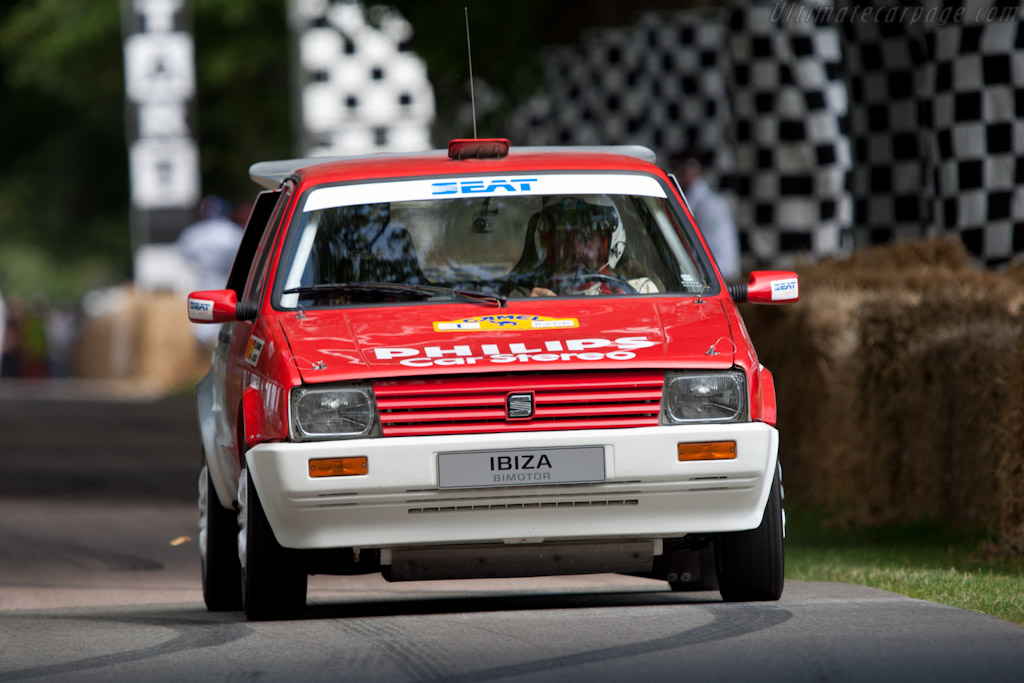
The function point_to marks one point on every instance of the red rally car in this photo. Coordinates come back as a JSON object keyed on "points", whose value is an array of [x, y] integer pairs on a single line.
{"points": [[483, 362]]}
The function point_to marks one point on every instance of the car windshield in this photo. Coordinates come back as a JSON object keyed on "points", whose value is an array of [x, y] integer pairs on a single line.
{"points": [[508, 238]]}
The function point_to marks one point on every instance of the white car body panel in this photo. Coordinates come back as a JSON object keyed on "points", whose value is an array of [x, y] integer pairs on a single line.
{"points": [[215, 430], [648, 492]]}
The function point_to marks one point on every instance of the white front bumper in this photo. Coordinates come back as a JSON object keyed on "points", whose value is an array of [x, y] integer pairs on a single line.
{"points": [[647, 494]]}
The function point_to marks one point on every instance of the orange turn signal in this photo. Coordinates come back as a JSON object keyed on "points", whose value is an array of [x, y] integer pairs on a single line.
{"points": [[715, 450], [337, 467]]}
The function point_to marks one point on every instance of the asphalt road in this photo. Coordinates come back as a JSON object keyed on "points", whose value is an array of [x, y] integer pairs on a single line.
{"points": [[99, 581]]}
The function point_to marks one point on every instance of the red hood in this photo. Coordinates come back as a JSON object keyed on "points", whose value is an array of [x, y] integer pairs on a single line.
{"points": [[527, 335]]}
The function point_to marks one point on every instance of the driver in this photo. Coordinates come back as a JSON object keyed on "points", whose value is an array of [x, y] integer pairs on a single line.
{"points": [[582, 240]]}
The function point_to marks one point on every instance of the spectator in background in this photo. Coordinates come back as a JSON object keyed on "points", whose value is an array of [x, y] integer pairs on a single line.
{"points": [[3, 327], [61, 331], [33, 354], [710, 210], [209, 246], [242, 212], [10, 360]]}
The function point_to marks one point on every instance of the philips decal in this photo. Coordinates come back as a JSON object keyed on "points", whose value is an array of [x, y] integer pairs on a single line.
{"points": [[588, 349], [484, 186]]}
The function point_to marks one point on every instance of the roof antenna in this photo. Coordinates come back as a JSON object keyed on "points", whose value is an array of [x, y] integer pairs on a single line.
{"points": [[472, 95]]}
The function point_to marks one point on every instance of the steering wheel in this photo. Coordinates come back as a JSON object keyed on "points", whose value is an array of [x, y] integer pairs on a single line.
{"points": [[576, 281]]}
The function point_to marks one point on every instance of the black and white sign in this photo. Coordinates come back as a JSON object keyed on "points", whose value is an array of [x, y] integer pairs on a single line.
{"points": [[159, 67], [163, 173], [163, 157]]}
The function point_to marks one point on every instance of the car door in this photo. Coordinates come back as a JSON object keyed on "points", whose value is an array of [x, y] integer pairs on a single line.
{"points": [[246, 279]]}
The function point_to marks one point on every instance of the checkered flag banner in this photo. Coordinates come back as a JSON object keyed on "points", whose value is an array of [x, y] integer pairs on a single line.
{"points": [[975, 143], [361, 90], [938, 147], [659, 83], [764, 99], [830, 124], [790, 108]]}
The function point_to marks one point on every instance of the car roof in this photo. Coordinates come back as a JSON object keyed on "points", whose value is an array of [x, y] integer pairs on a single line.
{"points": [[314, 170]]}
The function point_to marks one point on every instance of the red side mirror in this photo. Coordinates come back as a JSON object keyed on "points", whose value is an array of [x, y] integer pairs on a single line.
{"points": [[215, 306], [768, 287]]}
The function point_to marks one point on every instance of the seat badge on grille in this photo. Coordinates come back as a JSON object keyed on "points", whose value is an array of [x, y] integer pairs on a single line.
{"points": [[519, 405]]}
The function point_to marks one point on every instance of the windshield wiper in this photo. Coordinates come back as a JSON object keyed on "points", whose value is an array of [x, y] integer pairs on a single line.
{"points": [[395, 288]]}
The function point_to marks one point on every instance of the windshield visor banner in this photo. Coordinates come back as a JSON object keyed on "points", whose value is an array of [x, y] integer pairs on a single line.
{"points": [[482, 186]]}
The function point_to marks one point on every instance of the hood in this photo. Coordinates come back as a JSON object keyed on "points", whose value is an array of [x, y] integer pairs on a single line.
{"points": [[530, 335]]}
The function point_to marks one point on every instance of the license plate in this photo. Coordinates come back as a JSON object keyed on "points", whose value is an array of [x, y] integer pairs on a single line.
{"points": [[521, 467]]}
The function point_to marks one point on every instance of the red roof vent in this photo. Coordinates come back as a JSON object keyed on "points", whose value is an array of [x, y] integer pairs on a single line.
{"points": [[478, 148]]}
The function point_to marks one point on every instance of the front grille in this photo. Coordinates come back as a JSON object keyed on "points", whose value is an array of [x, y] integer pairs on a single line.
{"points": [[474, 404]]}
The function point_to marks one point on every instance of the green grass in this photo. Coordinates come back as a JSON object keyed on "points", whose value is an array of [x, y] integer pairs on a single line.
{"points": [[922, 560]]}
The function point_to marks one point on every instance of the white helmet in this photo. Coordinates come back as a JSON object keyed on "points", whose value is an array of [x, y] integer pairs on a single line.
{"points": [[584, 213]]}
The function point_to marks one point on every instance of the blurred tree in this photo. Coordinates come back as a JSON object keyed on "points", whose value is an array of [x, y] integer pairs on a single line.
{"points": [[64, 199], [506, 66], [508, 40], [62, 152], [63, 160], [242, 72]]}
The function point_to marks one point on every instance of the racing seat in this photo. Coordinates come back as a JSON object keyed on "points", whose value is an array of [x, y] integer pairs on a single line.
{"points": [[531, 267], [388, 256]]}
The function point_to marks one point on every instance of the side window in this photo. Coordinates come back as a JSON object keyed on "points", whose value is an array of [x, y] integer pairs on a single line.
{"points": [[257, 272], [259, 218]]}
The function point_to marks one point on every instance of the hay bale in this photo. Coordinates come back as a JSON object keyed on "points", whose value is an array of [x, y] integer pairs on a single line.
{"points": [[810, 349], [107, 339], [142, 339], [937, 253], [893, 374], [1015, 273], [168, 356], [934, 364], [1010, 470]]}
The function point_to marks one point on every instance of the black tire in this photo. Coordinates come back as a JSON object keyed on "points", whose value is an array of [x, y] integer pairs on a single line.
{"points": [[751, 564], [273, 577], [218, 549]]}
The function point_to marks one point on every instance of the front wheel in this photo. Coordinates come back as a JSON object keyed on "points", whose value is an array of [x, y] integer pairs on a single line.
{"points": [[273, 577], [751, 564], [218, 552]]}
